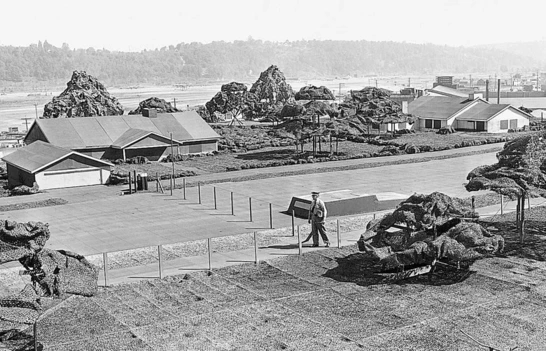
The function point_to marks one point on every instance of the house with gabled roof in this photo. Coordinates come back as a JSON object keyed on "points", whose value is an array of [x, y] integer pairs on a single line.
{"points": [[465, 114], [121, 137], [53, 167]]}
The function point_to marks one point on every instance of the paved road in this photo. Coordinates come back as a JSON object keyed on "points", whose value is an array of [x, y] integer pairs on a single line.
{"points": [[98, 219]]}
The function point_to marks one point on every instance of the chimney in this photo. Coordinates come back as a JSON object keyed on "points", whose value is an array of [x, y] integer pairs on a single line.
{"points": [[498, 91], [149, 112], [487, 90]]}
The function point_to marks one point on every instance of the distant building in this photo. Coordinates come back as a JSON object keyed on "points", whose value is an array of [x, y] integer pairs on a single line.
{"points": [[435, 112], [446, 81]]}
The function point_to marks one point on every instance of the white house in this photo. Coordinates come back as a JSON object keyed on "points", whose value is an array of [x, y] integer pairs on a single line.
{"points": [[435, 112]]}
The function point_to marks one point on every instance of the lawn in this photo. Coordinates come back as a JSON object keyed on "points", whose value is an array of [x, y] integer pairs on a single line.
{"points": [[270, 156]]}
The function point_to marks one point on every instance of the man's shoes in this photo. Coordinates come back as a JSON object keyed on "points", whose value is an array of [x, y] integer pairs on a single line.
{"points": [[327, 244], [315, 245], [303, 242]]}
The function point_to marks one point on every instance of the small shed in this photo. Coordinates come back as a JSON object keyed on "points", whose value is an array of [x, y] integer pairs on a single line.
{"points": [[53, 167]]}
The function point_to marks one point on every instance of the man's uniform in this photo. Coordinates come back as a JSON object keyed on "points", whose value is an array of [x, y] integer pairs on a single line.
{"points": [[317, 217]]}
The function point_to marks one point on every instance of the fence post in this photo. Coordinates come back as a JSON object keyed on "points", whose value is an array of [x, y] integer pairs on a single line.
{"points": [[232, 211], [293, 229], [299, 242], [105, 263], [171, 184], [338, 235], [374, 215], [256, 248], [199, 191], [156, 182], [250, 207], [35, 332], [215, 206], [135, 181], [159, 255], [502, 205], [184, 187], [270, 217], [210, 254], [130, 184]]}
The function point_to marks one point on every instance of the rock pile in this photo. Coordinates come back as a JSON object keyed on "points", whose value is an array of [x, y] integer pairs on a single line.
{"points": [[232, 98], [431, 227], [312, 92], [18, 240], [160, 105], [373, 106], [84, 96], [272, 86], [62, 272], [53, 273]]}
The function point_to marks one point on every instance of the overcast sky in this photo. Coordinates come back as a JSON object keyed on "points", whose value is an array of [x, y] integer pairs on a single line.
{"points": [[136, 25]]}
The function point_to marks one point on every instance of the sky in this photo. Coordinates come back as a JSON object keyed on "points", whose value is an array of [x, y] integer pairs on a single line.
{"points": [[120, 25]]}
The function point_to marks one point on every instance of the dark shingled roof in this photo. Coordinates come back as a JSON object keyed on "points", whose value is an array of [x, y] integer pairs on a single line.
{"points": [[38, 155], [104, 131], [437, 107]]}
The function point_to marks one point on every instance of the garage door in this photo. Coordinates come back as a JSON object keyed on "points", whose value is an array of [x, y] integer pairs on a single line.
{"points": [[69, 178]]}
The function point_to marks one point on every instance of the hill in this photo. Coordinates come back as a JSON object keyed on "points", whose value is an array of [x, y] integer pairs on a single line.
{"points": [[530, 49], [239, 60]]}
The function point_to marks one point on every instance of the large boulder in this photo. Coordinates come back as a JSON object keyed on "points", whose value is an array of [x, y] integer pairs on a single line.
{"points": [[272, 86], [312, 92], [292, 110], [84, 96], [61, 272], [425, 228], [18, 240], [160, 105]]}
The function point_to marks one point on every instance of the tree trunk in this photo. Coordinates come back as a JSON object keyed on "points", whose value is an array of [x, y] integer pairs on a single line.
{"points": [[319, 144], [336, 145], [330, 144]]}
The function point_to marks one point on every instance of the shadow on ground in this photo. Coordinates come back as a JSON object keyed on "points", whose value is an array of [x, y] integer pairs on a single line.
{"points": [[534, 241], [358, 268]]}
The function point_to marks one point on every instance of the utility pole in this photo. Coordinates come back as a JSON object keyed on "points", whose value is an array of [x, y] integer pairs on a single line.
{"points": [[26, 121], [36, 108], [409, 82]]}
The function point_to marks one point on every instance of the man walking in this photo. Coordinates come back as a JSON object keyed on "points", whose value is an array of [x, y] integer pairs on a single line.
{"points": [[317, 216]]}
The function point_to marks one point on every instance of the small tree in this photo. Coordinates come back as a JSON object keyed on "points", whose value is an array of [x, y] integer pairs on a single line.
{"points": [[520, 172]]}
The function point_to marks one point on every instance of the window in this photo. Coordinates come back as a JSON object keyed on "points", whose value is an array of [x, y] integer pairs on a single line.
{"points": [[428, 123], [437, 124], [513, 124], [504, 124]]}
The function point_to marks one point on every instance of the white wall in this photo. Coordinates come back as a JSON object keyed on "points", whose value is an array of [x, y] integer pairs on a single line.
{"points": [[71, 178], [493, 126]]}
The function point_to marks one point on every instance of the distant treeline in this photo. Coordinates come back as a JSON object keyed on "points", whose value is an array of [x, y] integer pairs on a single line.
{"points": [[242, 60]]}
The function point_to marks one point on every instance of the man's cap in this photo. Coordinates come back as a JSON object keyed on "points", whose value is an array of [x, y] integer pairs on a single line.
{"points": [[315, 193]]}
